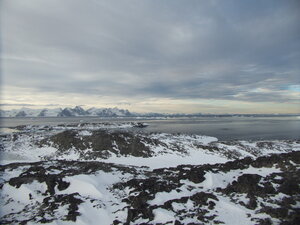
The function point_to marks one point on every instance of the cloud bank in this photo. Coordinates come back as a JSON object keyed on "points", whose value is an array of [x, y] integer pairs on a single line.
{"points": [[238, 52]]}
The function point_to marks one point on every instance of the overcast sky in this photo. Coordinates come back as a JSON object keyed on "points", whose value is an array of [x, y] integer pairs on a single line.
{"points": [[162, 56]]}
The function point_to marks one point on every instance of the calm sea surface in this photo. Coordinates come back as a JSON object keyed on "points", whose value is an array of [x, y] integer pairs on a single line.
{"points": [[224, 128]]}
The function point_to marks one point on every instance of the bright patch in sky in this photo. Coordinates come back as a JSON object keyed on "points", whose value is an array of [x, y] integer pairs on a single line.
{"points": [[294, 88]]}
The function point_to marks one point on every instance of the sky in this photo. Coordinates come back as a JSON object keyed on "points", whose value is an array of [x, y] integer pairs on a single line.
{"points": [[168, 56]]}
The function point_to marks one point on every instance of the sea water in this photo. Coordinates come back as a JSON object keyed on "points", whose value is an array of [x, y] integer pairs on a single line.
{"points": [[224, 128]]}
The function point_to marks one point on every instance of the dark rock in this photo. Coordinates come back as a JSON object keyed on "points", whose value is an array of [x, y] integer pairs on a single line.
{"points": [[177, 222], [265, 222], [102, 143], [290, 185], [275, 212], [201, 198], [52, 203], [196, 175], [246, 183]]}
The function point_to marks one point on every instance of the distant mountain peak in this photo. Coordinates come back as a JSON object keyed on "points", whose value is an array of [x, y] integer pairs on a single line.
{"points": [[66, 112]]}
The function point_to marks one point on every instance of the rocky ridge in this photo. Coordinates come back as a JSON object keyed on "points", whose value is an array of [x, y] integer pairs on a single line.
{"points": [[86, 173], [264, 190]]}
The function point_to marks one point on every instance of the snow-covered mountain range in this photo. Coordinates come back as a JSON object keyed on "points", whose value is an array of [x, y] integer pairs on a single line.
{"points": [[78, 111], [66, 112]]}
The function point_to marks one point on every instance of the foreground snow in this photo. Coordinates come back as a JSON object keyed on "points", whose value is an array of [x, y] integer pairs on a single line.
{"points": [[90, 173]]}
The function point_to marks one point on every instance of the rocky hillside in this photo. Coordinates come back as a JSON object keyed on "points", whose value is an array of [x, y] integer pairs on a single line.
{"points": [[116, 174]]}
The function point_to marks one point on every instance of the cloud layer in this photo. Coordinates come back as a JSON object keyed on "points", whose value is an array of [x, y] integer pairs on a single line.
{"points": [[245, 51]]}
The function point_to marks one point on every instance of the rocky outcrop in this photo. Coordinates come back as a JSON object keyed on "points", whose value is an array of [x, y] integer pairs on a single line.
{"points": [[101, 144], [275, 194]]}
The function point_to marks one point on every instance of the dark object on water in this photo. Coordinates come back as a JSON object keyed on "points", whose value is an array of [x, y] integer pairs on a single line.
{"points": [[141, 125]]}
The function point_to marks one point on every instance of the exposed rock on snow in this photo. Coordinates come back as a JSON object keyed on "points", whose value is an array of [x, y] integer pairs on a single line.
{"points": [[86, 173], [262, 190], [100, 144], [112, 142]]}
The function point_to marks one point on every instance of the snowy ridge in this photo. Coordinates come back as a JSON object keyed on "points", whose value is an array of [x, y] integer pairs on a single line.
{"points": [[66, 112], [78, 111], [86, 173]]}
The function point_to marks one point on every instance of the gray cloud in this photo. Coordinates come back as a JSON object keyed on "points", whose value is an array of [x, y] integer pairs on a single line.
{"points": [[28, 105], [174, 49]]}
